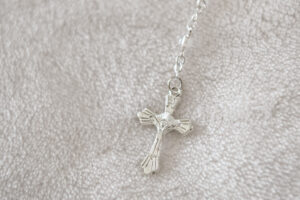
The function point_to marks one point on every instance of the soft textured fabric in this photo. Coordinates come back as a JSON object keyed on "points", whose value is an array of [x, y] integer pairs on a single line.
{"points": [[74, 73]]}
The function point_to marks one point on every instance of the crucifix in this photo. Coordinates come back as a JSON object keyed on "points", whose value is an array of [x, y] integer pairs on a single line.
{"points": [[164, 123]]}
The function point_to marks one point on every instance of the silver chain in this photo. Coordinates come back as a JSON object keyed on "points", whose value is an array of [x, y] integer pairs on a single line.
{"points": [[175, 83], [180, 59]]}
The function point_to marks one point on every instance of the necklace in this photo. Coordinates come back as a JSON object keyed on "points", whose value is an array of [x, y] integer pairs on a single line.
{"points": [[165, 122]]}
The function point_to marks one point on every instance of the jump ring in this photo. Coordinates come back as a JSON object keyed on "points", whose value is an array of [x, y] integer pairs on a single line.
{"points": [[173, 88]]}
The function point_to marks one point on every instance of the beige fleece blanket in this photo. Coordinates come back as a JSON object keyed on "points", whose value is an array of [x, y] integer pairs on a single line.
{"points": [[74, 73]]}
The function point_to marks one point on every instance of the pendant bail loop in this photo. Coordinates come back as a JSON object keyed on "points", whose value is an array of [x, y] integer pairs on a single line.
{"points": [[175, 85]]}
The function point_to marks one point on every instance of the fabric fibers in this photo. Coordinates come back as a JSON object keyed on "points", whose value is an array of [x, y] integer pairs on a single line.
{"points": [[74, 73]]}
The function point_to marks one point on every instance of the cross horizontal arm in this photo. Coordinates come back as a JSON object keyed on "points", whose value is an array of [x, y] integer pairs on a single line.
{"points": [[184, 126], [146, 117]]}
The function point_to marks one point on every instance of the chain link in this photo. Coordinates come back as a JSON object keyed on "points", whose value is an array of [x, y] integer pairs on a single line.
{"points": [[180, 59]]}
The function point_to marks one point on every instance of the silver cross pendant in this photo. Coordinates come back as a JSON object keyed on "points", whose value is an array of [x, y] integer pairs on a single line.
{"points": [[164, 123]]}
